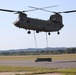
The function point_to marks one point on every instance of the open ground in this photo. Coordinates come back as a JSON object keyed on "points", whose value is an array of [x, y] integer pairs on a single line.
{"points": [[27, 63], [58, 61]]}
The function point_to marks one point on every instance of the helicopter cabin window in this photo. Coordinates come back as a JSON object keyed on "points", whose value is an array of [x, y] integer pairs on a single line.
{"points": [[28, 21]]}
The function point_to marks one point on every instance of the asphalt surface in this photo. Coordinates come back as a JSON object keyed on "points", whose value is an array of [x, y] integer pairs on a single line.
{"points": [[32, 63], [23, 73]]}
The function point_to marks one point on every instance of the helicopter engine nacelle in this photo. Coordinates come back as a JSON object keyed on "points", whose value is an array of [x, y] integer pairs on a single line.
{"points": [[57, 19]]}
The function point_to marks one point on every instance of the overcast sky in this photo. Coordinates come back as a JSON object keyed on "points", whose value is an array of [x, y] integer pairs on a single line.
{"points": [[12, 37]]}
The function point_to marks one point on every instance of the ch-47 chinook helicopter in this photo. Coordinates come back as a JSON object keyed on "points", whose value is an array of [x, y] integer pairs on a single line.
{"points": [[54, 24]]}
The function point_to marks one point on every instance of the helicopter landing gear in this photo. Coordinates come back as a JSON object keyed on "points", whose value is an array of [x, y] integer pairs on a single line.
{"points": [[58, 32], [29, 32], [37, 31], [49, 33]]}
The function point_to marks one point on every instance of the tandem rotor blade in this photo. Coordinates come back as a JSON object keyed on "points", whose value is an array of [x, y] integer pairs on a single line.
{"points": [[35, 8], [71, 11], [68, 11], [44, 7], [16, 11], [50, 6], [7, 10]]}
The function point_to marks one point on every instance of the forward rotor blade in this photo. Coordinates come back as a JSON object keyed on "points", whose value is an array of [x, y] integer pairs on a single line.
{"points": [[41, 9], [52, 11], [29, 10], [50, 6], [16, 11], [44, 7], [8, 10]]}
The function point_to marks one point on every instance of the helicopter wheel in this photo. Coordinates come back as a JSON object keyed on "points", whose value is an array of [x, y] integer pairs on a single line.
{"points": [[58, 32], [49, 33], [29, 32], [37, 31]]}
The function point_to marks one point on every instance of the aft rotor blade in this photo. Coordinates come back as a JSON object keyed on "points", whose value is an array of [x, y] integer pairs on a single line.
{"points": [[51, 11], [47, 10], [68, 11], [34, 7], [41, 9]]}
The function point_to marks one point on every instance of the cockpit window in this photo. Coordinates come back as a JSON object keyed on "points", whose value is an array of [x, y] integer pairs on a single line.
{"points": [[17, 19]]}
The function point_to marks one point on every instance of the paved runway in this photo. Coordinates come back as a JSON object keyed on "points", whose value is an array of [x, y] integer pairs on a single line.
{"points": [[32, 63]]}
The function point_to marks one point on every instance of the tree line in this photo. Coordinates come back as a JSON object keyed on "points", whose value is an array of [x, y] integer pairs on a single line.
{"points": [[43, 52]]}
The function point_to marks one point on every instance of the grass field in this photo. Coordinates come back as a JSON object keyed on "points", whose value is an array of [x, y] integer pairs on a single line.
{"points": [[31, 57], [34, 70], [37, 70]]}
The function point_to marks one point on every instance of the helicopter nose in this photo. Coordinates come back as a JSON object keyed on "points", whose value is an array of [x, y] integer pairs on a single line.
{"points": [[16, 23]]}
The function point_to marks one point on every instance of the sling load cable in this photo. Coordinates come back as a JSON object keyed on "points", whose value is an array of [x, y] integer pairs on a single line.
{"points": [[46, 41], [47, 47], [35, 39]]}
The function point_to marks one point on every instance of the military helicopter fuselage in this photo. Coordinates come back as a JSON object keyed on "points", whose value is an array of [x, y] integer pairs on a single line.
{"points": [[52, 25]]}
